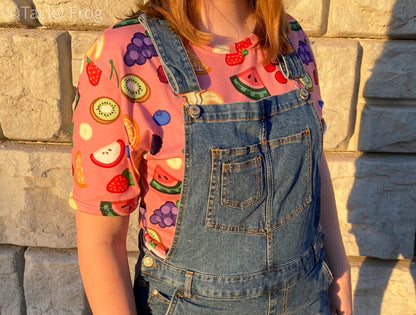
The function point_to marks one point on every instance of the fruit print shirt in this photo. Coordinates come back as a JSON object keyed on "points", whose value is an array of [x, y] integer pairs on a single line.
{"points": [[128, 136]]}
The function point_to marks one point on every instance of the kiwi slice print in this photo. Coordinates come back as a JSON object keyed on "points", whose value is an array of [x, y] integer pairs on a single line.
{"points": [[135, 88], [104, 110]]}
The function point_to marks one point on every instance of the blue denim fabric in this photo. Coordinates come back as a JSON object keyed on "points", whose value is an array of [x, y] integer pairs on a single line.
{"points": [[247, 238]]}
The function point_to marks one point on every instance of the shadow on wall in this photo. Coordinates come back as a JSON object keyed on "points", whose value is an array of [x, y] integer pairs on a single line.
{"points": [[382, 204]]}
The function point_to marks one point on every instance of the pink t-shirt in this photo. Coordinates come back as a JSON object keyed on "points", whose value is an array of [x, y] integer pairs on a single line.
{"points": [[128, 135]]}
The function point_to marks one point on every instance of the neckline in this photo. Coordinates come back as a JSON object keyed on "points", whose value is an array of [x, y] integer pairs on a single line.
{"points": [[248, 43]]}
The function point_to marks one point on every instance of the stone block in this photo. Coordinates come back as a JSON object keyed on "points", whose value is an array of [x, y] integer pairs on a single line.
{"points": [[35, 209], [376, 195], [133, 233], [52, 282], [2, 137], [386, 126], [383, 287], [17, 13], [12, 264], [35, 85], [368, 18], [388, 69], [80, 14], [35, 181], [338, 62], [312, 15], [80, 42], [132, 257]]}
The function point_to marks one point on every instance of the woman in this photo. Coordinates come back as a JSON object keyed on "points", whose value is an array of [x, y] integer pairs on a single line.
{"points": [[222, 143]]}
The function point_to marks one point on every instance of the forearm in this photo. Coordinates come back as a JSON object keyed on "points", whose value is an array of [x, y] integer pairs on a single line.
{"points": [[104, 266], [334, 247]]}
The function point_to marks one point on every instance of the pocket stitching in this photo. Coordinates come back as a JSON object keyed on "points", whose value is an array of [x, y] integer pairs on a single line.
{"points": [[327, 271], [259, 175], [216, 155]]}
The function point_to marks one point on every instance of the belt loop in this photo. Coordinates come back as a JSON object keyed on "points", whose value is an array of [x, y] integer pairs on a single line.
{"points": [[188, 284]]}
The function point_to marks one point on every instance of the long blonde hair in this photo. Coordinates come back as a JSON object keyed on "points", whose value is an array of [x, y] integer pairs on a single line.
{"points": [[272, 27]]}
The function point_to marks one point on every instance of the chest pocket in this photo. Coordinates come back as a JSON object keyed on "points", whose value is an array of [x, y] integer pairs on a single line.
{"points": [[242, 179]]}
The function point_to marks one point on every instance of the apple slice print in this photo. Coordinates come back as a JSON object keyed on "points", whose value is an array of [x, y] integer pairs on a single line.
{"points": [[110, 155]]}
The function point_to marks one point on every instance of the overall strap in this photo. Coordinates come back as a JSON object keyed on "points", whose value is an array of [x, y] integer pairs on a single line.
{"points": [[291, 65], [172, 54]]}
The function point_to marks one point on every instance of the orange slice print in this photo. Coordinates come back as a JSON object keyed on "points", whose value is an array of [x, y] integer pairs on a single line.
{"points": [[133, 131], [197, 64], [79, 171], [97, 47]]}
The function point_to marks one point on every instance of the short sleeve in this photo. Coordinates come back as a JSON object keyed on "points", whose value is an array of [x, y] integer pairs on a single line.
{"points": [[105, 177]]}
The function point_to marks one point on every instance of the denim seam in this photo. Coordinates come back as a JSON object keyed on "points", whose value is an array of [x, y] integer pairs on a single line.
{"points": [[270, 250], [327, 271], [153, 297], [321, 127], [285, 297], [173, 303], [310, 251], [180, 289], [184, 190], [213, 181], [200, 119]]}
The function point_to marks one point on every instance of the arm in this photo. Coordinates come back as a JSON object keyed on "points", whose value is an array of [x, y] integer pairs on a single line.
{"points": [[340, 297], [103, 263]]}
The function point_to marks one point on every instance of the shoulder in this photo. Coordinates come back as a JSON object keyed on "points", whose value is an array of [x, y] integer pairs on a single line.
{"points": [[110, 47], [296, 32]]}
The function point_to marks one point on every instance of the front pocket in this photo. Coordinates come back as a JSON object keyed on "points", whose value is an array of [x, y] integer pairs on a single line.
{"points": [[237, 190], [242, 178], [292, 176], [235, 173]]}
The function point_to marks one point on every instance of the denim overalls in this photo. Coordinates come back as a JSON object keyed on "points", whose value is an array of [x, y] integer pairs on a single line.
{"points": [[247, 238]]}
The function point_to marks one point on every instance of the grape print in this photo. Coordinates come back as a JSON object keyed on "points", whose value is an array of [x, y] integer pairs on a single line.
{"points": [[304, 53], [143, 213], [165, 216], [139, 50]]}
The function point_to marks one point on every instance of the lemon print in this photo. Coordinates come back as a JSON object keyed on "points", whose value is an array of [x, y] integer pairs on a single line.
{"points": [[175, 163], [153, 235], [97, 47], [85, 131], [221, 49], [197, 64], [72, 203], [206, 97]]}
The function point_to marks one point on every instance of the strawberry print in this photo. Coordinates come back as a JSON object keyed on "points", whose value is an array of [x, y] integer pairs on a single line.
{"points": [[94, 73], [161, 74], [280, 77], [270, 67], [246, 43], [236, 58], [120, 183]]}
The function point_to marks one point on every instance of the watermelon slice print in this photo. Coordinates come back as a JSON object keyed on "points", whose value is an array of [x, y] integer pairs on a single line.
{"points": [[250, 84], [165, 183]]}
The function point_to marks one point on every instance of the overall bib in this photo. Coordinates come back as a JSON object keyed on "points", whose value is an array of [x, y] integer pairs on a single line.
{"points": [[247, 238]]}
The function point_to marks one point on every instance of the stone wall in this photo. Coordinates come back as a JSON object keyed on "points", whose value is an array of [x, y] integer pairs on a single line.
{"points": [[367, 63]]}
